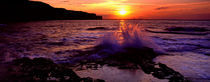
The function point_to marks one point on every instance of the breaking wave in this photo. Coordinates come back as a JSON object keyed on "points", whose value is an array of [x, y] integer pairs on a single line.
{"points": [[128, 36]]}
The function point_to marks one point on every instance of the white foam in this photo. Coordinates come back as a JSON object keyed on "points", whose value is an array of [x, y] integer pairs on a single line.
{"points": [[128, 36]]}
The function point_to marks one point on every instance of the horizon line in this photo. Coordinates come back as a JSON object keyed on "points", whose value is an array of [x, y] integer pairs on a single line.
{"points": [[164, 19]]}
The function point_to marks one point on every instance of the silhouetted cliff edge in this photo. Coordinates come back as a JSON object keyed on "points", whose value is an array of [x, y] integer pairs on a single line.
{"points": [[25, 10]]}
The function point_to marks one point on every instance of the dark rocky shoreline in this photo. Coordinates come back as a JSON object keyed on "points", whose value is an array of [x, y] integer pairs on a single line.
{"points": [[39, 69], [43, 69], [133, 58]]}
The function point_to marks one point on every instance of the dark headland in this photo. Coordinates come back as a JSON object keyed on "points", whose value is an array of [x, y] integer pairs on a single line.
{"points": [[26, 10]]}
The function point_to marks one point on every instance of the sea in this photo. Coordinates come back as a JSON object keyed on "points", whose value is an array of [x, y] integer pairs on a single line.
{"points": [[184, 45]]}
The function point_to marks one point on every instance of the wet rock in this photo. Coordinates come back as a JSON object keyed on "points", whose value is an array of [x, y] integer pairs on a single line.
{"points": [[53, 43], [188, 29], [164, 72], [41, 69], [133, 58], [179, 32], [88, 79], [56, 43], [128, 66], [99, 80], [147, 67], [97, 28], [208, 54], [143, 57], [159, 74], [59, 52], [3, 26]]}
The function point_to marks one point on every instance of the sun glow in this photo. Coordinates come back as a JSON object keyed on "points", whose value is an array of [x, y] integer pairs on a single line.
{"points": [[123, 12]]}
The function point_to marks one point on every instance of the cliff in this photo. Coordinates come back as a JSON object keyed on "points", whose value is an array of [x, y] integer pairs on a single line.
{"points": [[25, 10]]}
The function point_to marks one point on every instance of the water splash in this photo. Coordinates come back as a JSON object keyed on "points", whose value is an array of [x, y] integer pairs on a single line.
{"points": [[128, 36]]}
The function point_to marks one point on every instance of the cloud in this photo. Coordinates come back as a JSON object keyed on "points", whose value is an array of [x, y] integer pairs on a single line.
{"points": [[161, 8], [65, 1], [143, 8]]}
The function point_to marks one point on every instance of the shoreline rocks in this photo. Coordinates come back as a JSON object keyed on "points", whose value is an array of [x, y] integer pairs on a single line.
{"points": [[40, 69]]}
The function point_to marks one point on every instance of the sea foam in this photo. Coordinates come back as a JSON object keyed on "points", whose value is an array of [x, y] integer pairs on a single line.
{"points": [[128, 36]]}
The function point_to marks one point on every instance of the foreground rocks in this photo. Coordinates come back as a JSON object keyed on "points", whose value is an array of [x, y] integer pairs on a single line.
{"points": [[144, 58], [40, 69], [135, 58]]}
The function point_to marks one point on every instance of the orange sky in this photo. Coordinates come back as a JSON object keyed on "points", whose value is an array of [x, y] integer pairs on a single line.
{"points": [[139, 9]]}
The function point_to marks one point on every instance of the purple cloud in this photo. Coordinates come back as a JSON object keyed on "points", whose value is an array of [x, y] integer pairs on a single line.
{"points": [[161, 8]]}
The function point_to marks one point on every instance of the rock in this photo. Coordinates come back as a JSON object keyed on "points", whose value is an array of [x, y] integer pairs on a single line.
{"points": [[188, 29], [88, 79], [56, 43], [41, 69], [97, 28]]}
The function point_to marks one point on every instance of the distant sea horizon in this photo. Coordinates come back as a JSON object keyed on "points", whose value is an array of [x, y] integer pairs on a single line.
{"points": [[164, 19]]}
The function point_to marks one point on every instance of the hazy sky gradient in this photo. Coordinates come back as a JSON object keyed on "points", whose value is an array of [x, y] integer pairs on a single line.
{"points": [[139, 9]]}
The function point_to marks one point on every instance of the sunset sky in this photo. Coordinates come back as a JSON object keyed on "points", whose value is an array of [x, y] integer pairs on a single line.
{"points": [[138, 9]]}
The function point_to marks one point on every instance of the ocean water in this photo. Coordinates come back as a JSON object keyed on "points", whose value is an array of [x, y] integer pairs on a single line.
{"points": [[185, 45]]}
